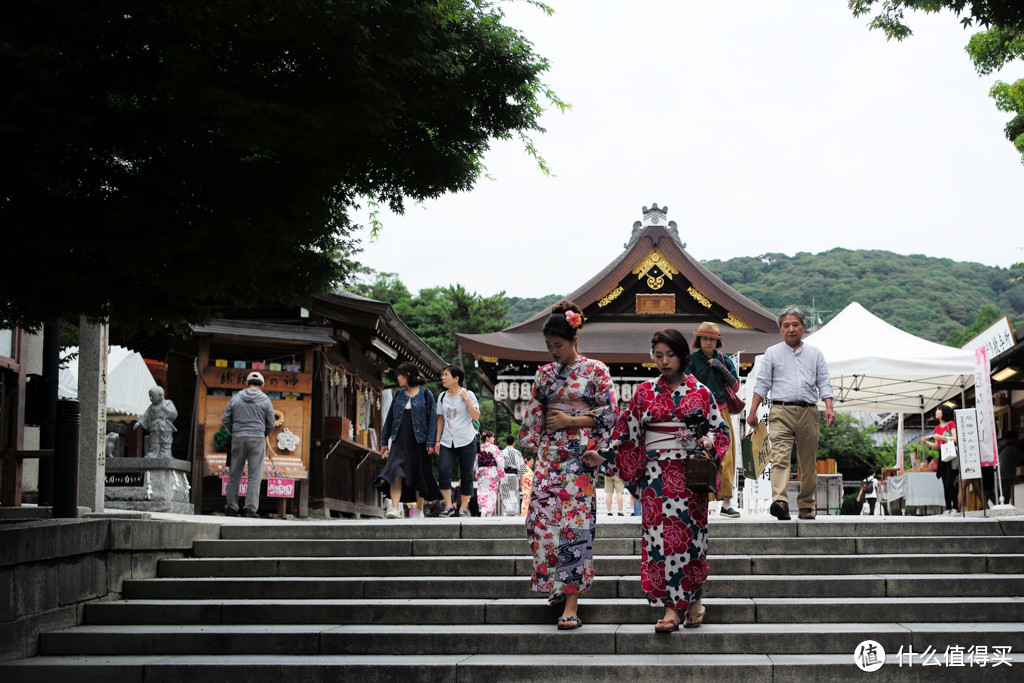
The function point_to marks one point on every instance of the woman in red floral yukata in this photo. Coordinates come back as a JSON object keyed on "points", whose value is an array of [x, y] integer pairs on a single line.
{"points": [[668, 420], [572, 408]]}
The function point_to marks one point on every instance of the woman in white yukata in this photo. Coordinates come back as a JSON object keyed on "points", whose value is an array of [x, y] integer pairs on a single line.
{"points": [[667, 421]]}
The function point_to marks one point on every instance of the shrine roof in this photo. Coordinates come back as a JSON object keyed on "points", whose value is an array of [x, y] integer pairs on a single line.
{"points": [[654, 264]]}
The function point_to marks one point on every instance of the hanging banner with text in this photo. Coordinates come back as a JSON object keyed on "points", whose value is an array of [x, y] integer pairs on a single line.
{"points": [[983, 404], [967, 443]]}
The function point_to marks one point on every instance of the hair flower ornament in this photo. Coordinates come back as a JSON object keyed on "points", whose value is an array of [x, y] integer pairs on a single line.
{"points": [[574, 319]]}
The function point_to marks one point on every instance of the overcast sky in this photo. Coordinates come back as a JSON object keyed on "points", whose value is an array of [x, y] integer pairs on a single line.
{"points": [[764, 126]]}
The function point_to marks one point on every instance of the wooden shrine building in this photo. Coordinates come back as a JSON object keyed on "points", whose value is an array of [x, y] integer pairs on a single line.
{"points": [[325, 369], [652, 285]]}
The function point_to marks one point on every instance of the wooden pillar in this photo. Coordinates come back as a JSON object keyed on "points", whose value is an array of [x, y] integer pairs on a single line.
{"points": [[199, 457]]}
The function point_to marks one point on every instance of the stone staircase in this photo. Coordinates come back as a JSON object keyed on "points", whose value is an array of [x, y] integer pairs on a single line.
{"points": [[449, 600]]}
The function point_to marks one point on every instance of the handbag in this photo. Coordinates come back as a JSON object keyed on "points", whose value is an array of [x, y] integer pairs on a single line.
{"points": [[733, 403], [701, 474], [948, 451]]}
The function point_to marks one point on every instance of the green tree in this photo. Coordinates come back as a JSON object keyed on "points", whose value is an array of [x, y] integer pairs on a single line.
{"points": [[849, 443], [987, 315], [991, 49], [161, 156], [383, 287]]}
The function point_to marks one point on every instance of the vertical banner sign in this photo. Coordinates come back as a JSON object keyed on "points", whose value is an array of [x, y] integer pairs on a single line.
{"points": [[899, 444], [967, 443], [983, 404]]}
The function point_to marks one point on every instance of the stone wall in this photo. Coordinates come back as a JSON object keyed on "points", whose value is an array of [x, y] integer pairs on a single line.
{"points": [[49, 569]]}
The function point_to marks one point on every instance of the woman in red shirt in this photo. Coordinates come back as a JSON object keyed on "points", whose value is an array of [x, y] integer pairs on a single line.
{"points": [[947, 471]]}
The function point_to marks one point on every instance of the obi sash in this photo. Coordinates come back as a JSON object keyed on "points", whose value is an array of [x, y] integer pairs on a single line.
{"points": [[663, 436], [570, 407], [574, 408]]}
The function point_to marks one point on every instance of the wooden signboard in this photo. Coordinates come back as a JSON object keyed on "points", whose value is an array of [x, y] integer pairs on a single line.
{"points": [[234, 378], [291, 464], [655, 304]]}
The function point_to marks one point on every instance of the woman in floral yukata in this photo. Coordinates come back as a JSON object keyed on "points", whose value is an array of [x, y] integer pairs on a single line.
{"points": [[572, 408], [489, 469], [668, 420]]}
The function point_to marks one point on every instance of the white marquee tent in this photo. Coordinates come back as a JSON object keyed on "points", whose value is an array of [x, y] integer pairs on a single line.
{"points": [[128, 381], [875, 367]]}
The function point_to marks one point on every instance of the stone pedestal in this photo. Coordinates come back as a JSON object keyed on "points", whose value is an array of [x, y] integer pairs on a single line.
{"points": [[153, 484]]}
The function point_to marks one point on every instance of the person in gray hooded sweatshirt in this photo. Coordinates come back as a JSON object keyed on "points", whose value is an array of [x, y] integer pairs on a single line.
{"points": [[249, 416]]}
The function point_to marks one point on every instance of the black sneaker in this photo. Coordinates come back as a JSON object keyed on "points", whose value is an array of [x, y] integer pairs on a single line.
{"points": [[729, 512], [246, 512], [780, 510], [230, 512]]}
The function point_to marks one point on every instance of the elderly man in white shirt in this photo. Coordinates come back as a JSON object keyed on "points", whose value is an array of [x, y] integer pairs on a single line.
{"points": [[796, 376]]}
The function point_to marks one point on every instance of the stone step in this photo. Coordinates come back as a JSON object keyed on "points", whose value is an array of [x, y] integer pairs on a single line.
{"points": [[402, 639], [488, 668], [984, 545], [804, 610], [454, 565], [604, 586], [627, 527]]}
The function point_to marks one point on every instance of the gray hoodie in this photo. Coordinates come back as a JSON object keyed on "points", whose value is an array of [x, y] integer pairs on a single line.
{"points": [[249, 413]]}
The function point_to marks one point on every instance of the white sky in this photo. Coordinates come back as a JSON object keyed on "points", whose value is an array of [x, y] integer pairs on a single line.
{"points": [[781, 126]]}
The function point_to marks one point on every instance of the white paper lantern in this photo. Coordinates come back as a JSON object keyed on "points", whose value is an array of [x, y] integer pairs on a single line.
{"points": [[627, 393], [513, 391], [501, 391], [525, 391]]}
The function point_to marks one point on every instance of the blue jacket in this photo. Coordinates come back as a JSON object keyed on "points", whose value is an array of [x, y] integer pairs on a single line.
{"points": [[424, 422]]}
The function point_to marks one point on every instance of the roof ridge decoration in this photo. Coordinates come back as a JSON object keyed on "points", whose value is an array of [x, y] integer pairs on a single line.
{"points": [[654, 216], [655, 259]]}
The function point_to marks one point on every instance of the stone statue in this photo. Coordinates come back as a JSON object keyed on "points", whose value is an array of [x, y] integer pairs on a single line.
{"points": [[158, 421], [112, 438]]}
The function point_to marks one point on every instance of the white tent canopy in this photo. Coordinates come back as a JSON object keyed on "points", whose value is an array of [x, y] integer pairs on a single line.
{"points": [[128, 381], [879, 368]]}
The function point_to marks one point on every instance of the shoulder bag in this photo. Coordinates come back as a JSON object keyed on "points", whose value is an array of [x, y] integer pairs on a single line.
{"points": [[733, 403]]}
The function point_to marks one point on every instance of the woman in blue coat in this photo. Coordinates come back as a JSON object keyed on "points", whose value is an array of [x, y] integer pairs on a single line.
{"points": [[409, 427]]}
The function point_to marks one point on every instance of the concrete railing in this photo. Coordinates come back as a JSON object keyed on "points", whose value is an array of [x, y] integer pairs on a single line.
{"points": [[50, 568]]}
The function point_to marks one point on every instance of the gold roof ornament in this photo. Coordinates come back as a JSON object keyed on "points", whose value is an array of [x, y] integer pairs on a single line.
{"points": [[655, 259], [737, 323], [700, 297]]}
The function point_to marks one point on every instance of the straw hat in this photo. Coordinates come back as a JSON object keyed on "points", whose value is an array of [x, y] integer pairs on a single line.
{"points": [[709, 330]]}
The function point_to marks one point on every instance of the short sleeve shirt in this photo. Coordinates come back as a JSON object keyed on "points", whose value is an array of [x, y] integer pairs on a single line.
{"points": [[458, 427]]}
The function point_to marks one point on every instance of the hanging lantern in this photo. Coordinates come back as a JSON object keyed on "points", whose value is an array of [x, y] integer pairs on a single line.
{"points": [[627, 392], [501, 391], [513, 391], [525, 391]]}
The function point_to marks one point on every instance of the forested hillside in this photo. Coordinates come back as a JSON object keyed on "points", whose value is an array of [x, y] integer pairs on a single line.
{"points": [[522, 308], [925, 296]]}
